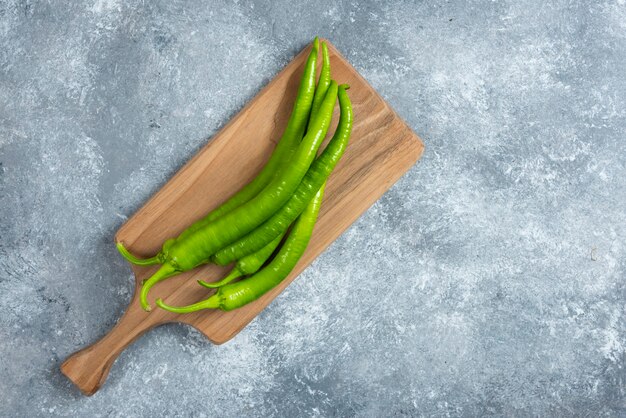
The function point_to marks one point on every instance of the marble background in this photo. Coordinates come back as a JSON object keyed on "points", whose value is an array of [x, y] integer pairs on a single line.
{"points": [[488, 281]]}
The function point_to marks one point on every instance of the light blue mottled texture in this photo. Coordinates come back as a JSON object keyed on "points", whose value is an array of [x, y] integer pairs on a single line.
{"points": [[489, 281]]}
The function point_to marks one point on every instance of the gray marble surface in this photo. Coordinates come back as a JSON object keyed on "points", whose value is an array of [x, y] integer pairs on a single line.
{"points": [[488, 281]]}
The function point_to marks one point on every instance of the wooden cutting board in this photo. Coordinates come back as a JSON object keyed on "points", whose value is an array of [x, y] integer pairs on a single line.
{"points": [[382, 148]]}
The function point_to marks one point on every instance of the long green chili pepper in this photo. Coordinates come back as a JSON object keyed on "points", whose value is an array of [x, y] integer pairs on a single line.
{"points": [[246, 265], [236, 295], [283, 152], [314, 178], [250, 263], [198, 246]]}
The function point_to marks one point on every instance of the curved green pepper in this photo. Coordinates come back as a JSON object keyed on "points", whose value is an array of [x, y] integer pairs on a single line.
{"points": [[196, 248]]}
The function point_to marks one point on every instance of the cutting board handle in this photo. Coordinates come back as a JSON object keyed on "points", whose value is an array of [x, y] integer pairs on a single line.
{"points": [[89, 367]]}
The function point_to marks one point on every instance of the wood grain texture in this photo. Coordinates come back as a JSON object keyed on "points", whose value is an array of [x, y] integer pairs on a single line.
{"points": [[382, 148]]}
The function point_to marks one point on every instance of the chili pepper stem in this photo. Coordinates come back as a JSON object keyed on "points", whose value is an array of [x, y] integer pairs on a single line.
{"points": [[211, 303], [166, 270], [157, 259], [234, 274]]}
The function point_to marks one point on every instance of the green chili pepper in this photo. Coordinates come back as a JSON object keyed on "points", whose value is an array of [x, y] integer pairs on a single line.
{"points": [[198, 246], [317, 175], [236, 295], [247, 265], [250, 263], [283, 152]]}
